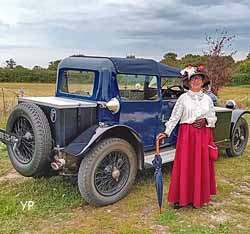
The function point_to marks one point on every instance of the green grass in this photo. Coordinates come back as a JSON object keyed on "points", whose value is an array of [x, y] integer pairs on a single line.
{"points": [[179, 225], [58, 207], [52, 198], [166, 217], [4, 160]]}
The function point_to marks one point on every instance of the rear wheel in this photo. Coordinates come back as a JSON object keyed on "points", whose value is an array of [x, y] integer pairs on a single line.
{"points": [[31, 155], [239, 138], [107, 172]]}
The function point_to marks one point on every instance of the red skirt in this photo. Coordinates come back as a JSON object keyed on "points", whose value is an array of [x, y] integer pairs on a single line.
{"points": [[193, 174]]}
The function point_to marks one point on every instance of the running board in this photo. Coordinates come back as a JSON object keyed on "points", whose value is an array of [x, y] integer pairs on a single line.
{"points": [[167, 155]]}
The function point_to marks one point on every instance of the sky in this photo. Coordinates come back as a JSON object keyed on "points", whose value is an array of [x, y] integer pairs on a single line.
{"points": [[35, 32]]}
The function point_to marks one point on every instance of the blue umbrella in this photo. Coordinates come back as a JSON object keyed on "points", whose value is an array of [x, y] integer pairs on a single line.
{"points": [[157, 163]]}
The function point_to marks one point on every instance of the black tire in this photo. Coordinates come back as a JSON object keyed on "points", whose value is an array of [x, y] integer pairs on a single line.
{"points": [[32, 154], [239, 139], [90, 172]]}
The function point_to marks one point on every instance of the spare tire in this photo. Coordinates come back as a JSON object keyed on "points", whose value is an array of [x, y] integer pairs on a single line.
{"points": [[32, 154]]}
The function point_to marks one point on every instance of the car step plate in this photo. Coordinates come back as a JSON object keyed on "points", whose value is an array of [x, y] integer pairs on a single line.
{"points": [[167, 155]]}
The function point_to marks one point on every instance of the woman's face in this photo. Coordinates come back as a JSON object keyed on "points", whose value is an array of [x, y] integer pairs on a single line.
{"points": [[196, 83]]}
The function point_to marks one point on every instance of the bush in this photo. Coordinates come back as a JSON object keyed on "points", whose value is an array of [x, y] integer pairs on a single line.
{"points": [[240, 79], [245, 67], [27, 75]]}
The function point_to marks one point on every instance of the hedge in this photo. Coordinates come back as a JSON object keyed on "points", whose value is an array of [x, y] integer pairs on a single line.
{"points": [[240, 79], [26, 75]]}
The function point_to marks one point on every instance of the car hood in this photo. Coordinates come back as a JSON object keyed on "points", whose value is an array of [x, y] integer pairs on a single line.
{"points": [[58, 102]]}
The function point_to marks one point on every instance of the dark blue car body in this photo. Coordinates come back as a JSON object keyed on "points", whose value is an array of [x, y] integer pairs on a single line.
{"points": [[138, 115]]}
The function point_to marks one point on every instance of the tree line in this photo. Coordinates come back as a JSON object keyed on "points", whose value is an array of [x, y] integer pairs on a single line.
{"points": [[17, 73]]}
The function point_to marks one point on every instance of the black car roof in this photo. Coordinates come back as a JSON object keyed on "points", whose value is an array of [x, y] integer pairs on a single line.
{"points": [[121, 65], [144, 66]]}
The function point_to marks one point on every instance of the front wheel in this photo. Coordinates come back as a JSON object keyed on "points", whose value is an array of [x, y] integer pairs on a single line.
{"points": [[107, 172], [239, 138]]}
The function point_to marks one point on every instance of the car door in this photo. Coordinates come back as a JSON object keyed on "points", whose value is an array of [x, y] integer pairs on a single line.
{"points": [[171, 89], [140, 106]]}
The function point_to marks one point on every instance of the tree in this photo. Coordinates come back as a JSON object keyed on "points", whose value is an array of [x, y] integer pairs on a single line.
{"points": [[218, 44], [37, 68], [77, 55], [244, 67], [10, 63], [53, 65], [192, 59], [131, 56], [170, 59], [219, 61], [170, 55], [20, 67]]}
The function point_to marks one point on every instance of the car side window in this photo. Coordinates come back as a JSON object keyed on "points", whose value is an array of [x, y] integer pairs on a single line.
{"points": [[78, 82], [137, 87]]}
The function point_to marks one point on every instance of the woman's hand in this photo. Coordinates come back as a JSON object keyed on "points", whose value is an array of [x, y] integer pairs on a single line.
{"points": [[200, 123], [161, 136]]}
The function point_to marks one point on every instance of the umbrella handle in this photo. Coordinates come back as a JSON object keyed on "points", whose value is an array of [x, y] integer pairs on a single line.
{"points": [[157, 145]]}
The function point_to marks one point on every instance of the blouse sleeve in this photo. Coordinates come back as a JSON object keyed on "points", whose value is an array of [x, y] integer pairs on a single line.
{"points": [[211, 117], [175, 116]]}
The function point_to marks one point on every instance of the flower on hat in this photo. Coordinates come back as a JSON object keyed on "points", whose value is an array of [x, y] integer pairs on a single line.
{"points": [[190, 70]]}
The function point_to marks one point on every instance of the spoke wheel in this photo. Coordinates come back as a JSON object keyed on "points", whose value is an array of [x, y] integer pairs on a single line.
{"points": [[239, 138], [107, 172], [24, 151], [112, 173]]}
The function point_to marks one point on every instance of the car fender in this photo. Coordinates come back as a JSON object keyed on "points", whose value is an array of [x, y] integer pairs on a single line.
{"points": [[88, 138], [236, 115]]}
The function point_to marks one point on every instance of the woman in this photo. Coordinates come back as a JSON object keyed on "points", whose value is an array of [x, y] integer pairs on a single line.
{"points": [[193, 178]]}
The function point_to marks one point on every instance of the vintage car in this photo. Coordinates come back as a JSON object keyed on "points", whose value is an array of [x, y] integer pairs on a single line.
{"points": [[102, 124]]}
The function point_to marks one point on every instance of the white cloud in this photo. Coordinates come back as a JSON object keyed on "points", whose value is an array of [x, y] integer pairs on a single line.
{"points": [[35, 32]]}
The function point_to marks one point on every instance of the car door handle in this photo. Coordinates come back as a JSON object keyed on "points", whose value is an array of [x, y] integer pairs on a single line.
{"points": [[163, 118]]}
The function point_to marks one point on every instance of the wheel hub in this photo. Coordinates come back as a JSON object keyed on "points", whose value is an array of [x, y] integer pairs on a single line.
{"points": [[112, 173], [28, 136], [116, 174]]}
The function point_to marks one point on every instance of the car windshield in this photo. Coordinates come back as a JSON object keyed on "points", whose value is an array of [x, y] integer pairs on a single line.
{"points": [[78, 82]]}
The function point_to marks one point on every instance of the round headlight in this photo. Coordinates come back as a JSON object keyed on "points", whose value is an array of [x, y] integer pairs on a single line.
{"points": [[113, 105], [231, 104]]}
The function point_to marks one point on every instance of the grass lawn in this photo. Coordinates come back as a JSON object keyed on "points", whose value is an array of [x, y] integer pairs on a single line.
{"points": [[58, 207]]}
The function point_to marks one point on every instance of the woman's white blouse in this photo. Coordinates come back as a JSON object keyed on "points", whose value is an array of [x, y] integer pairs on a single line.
{"points": [[189, 107]]}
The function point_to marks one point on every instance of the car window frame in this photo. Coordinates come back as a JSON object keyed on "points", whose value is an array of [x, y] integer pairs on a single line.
{"points": [[158, 88], [72, 95]]}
